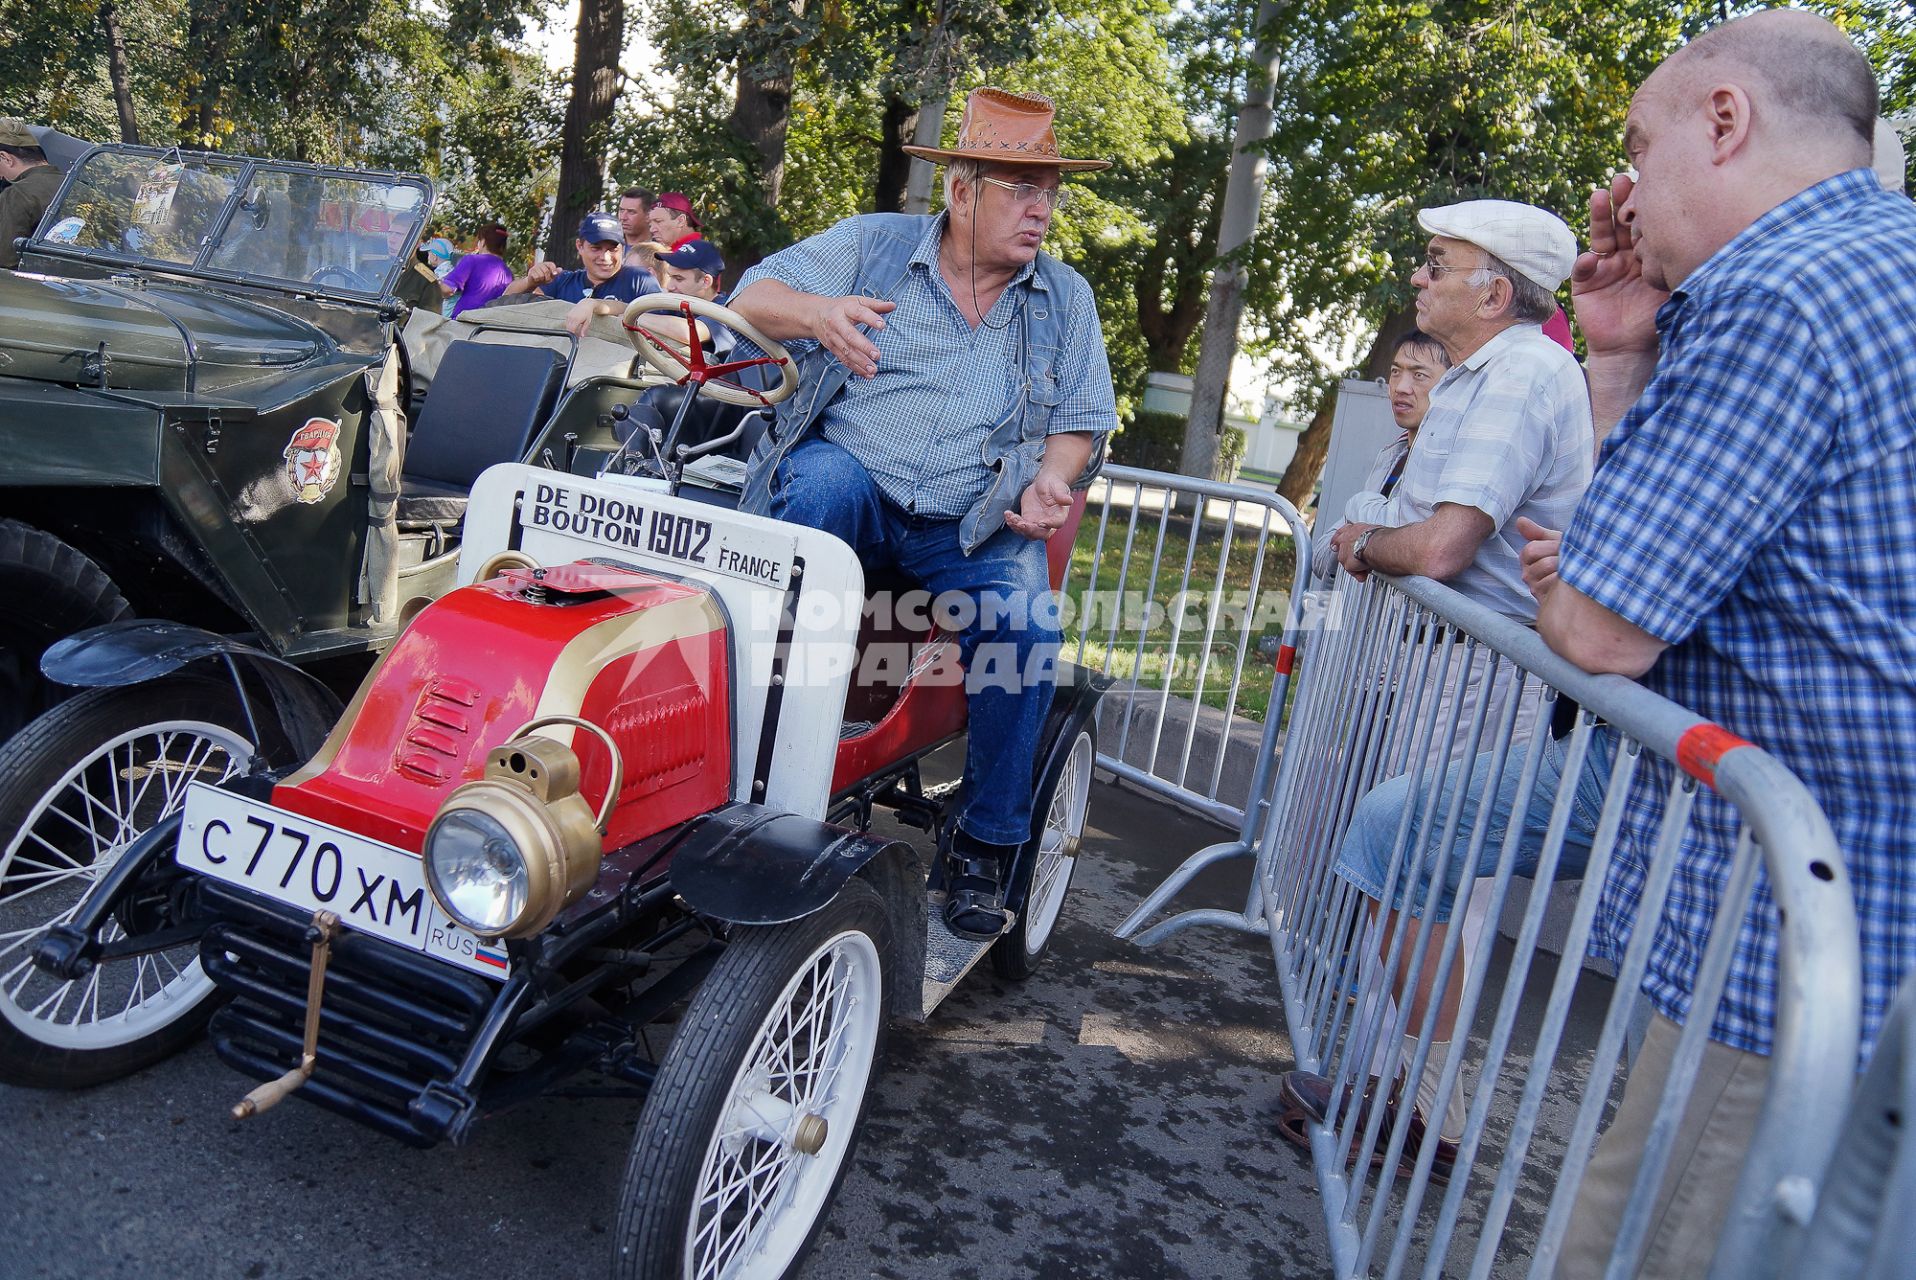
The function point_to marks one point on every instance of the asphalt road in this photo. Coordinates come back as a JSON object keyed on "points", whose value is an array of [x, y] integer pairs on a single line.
{"points": [[1107, 1117]]}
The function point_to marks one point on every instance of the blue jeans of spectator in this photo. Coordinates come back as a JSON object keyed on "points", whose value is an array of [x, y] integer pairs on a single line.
{"points": [[1364, 857], [1009, 646]]}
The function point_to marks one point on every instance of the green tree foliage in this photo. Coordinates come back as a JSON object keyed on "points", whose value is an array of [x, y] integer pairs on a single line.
{"points": [[1383, 106], [1151, 254], [1387, 106], [365, 82], [53, 64]]}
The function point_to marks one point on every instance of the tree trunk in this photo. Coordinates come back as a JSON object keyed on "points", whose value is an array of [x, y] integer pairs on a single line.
{"points": [[900, 122], [207, 32], [595, 88], [117, 73], [1166, 327], [929, 132], [762, 111], [1243, 196], [1314, 445]]}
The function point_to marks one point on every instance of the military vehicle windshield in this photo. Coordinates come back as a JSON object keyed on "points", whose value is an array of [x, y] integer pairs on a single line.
{"points": [[294, 224]]}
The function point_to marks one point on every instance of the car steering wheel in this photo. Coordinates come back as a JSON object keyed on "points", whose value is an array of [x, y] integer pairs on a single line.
{"points": [[335, 278], [693, 365]]}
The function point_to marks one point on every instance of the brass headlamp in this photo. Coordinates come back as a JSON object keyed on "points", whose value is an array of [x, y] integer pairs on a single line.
{"points": [[510, 850]]}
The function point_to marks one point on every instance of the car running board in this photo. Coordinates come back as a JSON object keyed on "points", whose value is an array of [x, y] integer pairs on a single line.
{"points": [[948, 957]]}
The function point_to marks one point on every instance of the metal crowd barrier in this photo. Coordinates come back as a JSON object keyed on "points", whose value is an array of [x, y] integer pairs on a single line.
{"points": [[1189, 592], [1863, 1225], [1538, 1046]]}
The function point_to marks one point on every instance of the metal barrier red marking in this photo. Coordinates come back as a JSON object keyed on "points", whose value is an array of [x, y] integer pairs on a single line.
{"points": [[1701, 746], [1286, 659]]}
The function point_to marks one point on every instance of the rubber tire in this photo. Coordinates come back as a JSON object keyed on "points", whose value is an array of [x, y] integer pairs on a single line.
{"points": [[1009, 956], [69, 593], [36, 758], [691, 1092]]}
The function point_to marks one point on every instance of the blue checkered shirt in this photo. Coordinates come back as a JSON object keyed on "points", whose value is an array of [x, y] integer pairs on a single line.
{"points": [[1756, 509], [919, 426]]}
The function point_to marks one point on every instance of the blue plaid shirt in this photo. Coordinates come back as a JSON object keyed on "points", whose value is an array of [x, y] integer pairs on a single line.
{"points": [[1756, 509], [920, 424]]}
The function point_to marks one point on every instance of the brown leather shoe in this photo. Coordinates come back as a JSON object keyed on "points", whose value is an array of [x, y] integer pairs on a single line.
{"points": [[1304, 1099]]}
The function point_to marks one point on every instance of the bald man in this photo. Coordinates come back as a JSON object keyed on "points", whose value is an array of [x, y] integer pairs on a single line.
{"points": [[1747, 549]]}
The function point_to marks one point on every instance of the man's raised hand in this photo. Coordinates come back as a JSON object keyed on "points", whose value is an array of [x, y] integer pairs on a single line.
{"points": [[1616, 308], [836, 326]]}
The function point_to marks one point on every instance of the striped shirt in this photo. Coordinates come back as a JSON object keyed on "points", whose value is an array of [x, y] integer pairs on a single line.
{"points": [[1756, 510], [1508, 432], [919, 426]]}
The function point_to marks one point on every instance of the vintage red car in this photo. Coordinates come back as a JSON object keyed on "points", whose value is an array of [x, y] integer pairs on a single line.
{"points": [[605, 807]]}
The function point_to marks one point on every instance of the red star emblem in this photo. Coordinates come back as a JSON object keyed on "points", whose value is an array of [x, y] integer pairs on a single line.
{"points": [[313, 469]]}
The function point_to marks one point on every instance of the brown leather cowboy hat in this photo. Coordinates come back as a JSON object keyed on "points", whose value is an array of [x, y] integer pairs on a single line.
{"points": [[1007, 128]]}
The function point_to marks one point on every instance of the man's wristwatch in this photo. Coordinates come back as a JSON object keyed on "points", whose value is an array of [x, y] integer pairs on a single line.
{"points": [[1357, 547]]}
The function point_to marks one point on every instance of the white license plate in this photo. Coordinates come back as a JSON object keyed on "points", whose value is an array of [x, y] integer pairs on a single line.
{"points": [[371, 886]]}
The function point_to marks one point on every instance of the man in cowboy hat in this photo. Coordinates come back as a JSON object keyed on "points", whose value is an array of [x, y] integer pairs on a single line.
{"points": [[953, 390]]}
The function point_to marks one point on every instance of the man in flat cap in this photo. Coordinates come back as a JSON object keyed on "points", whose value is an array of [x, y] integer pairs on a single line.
{"points": [[1508, 436], [33, 181], [953, 391]]}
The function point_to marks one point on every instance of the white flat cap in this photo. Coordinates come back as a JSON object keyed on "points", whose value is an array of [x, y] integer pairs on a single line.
{"points": [[1536, 244], [1889, 156]]}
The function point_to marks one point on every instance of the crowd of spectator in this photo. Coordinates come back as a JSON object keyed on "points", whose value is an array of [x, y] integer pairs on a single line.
{"points": [[623, 255], [1742, 545]]}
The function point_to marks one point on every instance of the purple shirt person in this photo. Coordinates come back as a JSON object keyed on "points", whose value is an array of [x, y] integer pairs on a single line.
{"points": [[481, 275]]}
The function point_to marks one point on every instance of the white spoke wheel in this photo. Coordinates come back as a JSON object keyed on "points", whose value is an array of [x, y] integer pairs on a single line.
{"points": [[77, 787], [1058, 822], [749, 1126]]}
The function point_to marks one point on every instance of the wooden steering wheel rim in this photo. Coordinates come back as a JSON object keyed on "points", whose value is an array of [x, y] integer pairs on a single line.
{"points": [[676, 369]]}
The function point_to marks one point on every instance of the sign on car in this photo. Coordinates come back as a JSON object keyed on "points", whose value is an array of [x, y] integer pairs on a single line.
{"points": [[709, 538]]}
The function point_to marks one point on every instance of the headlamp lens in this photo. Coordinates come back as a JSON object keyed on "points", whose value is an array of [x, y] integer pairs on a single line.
{"points": [[478, 873]]}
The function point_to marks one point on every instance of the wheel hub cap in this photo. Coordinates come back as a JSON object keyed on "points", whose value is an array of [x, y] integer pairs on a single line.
{"points": [[809, 1138]]}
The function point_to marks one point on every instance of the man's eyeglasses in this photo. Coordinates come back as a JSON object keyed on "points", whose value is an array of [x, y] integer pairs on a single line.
{"points": [[1438, 270], [1026, 193]]}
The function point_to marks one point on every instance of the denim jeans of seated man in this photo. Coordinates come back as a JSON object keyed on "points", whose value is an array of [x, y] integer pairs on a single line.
{"points": [[1009, 647], [1364, 858]]}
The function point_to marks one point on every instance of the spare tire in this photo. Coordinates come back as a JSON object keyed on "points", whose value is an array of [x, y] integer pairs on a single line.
{"points": [[67, 592]]}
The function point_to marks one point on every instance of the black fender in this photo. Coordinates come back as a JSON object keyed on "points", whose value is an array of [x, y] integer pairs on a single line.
{"points": [[1073, 705], [750, 865], [136, 650], [747, 864]]}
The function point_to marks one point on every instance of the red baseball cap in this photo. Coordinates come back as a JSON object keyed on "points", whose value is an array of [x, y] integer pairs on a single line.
{"points": [[677, 202]]}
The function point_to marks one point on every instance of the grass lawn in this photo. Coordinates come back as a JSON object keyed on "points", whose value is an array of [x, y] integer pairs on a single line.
{"points": [[1138, 625]]}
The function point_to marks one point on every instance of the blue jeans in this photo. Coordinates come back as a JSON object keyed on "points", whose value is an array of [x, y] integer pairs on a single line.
{"points": [[1364, 858], [1009, 640]]}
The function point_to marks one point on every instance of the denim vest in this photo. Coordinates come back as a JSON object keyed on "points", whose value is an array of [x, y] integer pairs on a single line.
{"points": [[1013, 449]]}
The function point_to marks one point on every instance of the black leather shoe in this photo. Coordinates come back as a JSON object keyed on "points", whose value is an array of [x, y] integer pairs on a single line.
{"points": [[974, 888]]}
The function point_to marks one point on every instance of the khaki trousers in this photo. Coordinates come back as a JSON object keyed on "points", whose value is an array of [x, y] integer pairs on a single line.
{"points": [[1705, 1161]]}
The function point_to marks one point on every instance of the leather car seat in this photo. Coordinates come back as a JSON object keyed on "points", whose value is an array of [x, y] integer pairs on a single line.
{"points": [[486, 404]]}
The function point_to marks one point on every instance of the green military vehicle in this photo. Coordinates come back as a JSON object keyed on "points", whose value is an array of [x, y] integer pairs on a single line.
{"points": [[189, 354], [232, 468], [205, 396]]}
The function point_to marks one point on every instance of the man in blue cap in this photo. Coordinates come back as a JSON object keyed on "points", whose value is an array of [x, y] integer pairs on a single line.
{"points": [[695, 270], [601, 247]]}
